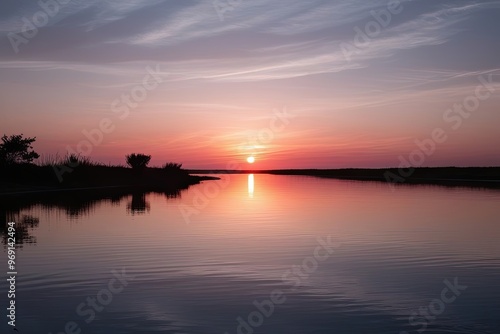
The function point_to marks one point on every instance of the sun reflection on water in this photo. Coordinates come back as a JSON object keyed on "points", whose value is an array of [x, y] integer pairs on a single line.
{"points": [[251, 185]]}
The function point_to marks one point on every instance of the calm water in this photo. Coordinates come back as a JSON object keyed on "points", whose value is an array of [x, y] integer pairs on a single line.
{"points": [[244, 255]]}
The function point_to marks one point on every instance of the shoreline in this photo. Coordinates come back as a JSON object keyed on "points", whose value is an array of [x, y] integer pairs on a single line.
{"points": [[31, 180], [144, 188], [106, 179]]}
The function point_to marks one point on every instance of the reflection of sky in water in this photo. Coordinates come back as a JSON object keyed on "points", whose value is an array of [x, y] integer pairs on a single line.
{"points": [[396, 250]]}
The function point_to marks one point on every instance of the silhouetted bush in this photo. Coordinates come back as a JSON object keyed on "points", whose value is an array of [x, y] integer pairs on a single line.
{"points": [[138, 160], [17, 150], [77, 160], [69, 160], [172, 166]]}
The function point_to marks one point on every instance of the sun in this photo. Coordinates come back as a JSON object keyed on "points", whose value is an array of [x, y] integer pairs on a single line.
{"points": [[251, 160]]}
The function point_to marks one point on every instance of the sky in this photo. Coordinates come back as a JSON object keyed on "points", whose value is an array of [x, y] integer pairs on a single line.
{"points": [[295, 84]]}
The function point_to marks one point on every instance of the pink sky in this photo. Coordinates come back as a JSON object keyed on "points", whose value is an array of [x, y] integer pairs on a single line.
{"points": [[192, 88]]}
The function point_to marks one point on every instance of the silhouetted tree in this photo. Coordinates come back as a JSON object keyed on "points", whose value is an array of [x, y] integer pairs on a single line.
{"points": [[138, 160], [15, 150]]}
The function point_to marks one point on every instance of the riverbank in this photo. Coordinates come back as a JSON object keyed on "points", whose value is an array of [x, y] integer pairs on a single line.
{"points": [[31, 179]]}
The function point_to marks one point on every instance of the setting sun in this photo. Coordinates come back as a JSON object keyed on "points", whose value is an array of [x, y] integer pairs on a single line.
{"points": [[251, 160]]}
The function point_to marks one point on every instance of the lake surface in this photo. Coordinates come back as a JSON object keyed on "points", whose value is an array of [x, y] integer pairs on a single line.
{"points": [[262, 254]]}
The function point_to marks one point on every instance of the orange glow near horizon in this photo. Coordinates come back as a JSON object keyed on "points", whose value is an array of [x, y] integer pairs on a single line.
{"points": [[188, 92]]}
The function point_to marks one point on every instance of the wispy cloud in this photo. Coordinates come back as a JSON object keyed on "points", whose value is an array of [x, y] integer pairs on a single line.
{"points": [[278, 17], [318, 15], [286, 58], [195, 21], [110, 11]]}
